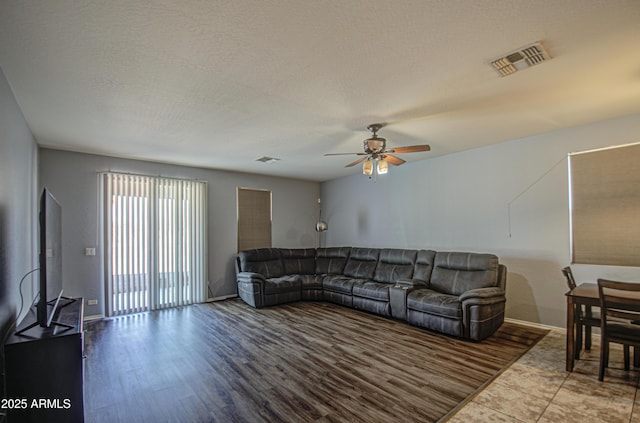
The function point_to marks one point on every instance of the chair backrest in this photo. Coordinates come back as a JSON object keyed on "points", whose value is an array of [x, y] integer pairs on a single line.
{"points": [[362, 262], [619, 299], [395, 264], [300, 261], [455, 273], [424, 265], [571, 282], [331, 261], [266, 261]]}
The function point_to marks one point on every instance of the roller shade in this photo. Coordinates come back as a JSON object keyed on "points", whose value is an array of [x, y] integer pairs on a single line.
{"points": [[605, 206], [254, 218]]}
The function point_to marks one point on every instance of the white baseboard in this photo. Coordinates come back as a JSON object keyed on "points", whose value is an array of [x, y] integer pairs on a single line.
{"points": [[534, 325], [93, 317], [209, 300], [221, 298], [226, 297]]}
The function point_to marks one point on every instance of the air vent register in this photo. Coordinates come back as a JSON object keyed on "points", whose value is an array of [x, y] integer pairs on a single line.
{"points": [[520, 59]]}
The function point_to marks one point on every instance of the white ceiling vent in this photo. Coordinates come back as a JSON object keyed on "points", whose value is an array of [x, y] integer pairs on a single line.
{"points": [[520, 59], [267, 159]]}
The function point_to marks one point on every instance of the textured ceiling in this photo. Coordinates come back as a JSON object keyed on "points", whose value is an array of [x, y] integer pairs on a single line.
{"points": [[218, 84]]}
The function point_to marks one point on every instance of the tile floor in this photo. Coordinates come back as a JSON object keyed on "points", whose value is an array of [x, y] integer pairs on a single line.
{"points": [[537, 388]]}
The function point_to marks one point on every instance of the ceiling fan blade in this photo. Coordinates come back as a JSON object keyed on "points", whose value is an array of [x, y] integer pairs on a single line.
{"points": [[410, 149], [343, 154], [396, 161], [356, 162]]}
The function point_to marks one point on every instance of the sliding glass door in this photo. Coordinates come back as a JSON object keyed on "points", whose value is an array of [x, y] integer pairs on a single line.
{"points": [[155, 236]]}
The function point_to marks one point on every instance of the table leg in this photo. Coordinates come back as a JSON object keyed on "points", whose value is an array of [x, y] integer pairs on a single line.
{"points": [[587, 329], [571, 325]]}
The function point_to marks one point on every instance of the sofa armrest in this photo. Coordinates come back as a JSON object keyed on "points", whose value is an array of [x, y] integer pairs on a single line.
{"points": [[412, 283], [482, 295], [250, 277], [482, 311], [251, 288]]}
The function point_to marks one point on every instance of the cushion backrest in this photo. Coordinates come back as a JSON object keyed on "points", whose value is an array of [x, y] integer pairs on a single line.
{"points": [[265, 261], [394, 265], [455, 273], [362, 263], [299, 261], [331, 261], [424, 265]]}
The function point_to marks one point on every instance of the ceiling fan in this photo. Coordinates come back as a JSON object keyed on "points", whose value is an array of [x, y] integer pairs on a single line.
{"points": [[375, 149]]}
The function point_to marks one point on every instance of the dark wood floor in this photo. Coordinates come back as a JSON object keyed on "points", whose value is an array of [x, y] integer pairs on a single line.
{"points": [[302, 362]]}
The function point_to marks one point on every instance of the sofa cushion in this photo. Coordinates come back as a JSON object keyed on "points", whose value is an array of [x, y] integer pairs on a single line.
{"points": [[265, 261], [338, 283], [299, 261], [372, 290], [331, 261], [362, 263], [282, 284], [424, 265], [305, 281], [455, 273], [310, 281], [436, 303], [394, 265]]}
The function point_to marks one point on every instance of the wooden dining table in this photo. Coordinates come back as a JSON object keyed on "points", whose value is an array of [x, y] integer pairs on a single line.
{"points": [[583, 294]]}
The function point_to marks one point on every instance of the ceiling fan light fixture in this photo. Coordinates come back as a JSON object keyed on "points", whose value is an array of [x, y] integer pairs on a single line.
{"points": [[367, 167], [374, 144], [383, 167], [375, 150]]}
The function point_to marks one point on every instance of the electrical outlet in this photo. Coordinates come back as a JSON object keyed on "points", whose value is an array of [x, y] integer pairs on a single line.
{"points": [[89, 251], [92, 302]]}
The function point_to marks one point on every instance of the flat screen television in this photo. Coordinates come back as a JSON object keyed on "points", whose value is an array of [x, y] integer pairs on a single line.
{"points": [[50, 257]]}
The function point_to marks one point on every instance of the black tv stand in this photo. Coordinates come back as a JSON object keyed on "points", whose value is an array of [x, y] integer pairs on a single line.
{"points": [[33, 325], [45, 368], [53, 322], [71, 301]]}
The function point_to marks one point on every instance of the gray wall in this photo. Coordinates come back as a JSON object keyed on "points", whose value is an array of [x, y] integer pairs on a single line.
{"points": [[18, 211], [73, 180], [460, 202], [454, 202], [18, 206]]}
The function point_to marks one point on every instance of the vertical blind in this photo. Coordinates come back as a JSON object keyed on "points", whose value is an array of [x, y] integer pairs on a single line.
{"points": [[254, 218], [605, 206], [155, 233]]}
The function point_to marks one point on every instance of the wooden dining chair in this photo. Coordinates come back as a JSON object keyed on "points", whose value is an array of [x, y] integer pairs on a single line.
{"points": [[619, 309], [585, 318]]}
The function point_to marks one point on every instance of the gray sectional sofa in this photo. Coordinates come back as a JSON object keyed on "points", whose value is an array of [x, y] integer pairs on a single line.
{"points": [[456, 293]]}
